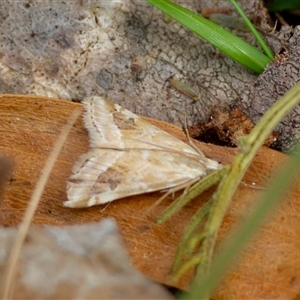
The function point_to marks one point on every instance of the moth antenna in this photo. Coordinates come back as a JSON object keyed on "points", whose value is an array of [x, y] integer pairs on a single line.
{"points": [[191, 142], [253, 186], [104, 208], [32, 205], [166, 149]]}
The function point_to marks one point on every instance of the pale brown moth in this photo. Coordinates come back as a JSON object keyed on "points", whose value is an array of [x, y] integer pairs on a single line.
{"points": [[129, 156]]}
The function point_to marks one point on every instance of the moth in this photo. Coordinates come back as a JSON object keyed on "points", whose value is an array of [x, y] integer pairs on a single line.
{"points": [[129, 156]]}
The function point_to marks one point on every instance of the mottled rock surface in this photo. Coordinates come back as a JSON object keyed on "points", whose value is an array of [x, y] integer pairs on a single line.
{"points": [[75, 262], [277, 79], [126, 51]]}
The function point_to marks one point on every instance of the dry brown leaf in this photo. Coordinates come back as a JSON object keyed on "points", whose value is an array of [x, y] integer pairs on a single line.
{"points": [[29, 127]]}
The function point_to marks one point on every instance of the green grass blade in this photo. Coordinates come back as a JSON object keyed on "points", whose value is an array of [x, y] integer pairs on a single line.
{"points": [[256, 34], [249, 146], [229, 253], [197, 189], [236, 48]]}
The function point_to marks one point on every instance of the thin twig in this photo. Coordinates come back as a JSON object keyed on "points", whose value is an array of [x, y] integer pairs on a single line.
{"points": [[32, 205]]}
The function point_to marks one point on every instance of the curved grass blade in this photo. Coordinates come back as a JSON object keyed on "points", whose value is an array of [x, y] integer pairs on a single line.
{"points": [[230, 251], [248, 148], [233, 46], [197, 189], [256, 34]]}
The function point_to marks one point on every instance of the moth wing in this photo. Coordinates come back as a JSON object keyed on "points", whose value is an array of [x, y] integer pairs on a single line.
{"points": [[104, 175], [112, 126]]}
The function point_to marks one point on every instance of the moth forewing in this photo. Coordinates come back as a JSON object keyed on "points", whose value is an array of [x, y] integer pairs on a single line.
{"points": [[129, 156]]}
